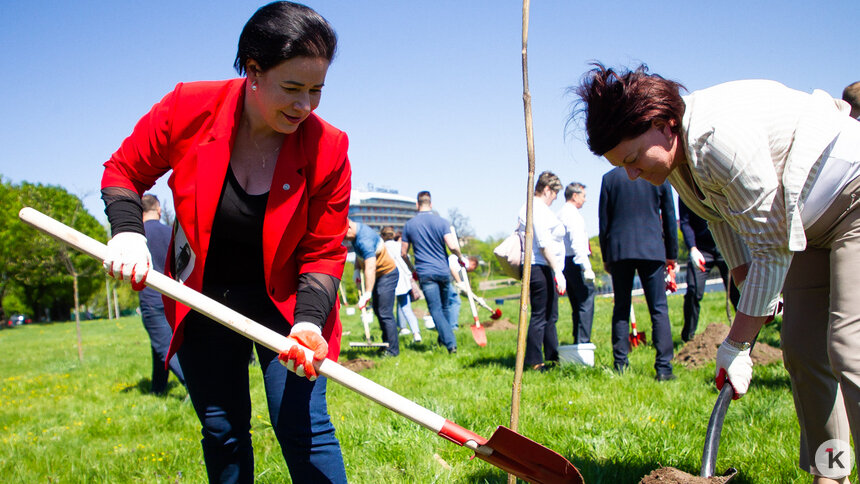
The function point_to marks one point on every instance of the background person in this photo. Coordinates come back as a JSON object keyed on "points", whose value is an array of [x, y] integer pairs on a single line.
{"points": [[406, 319], [547, 280], [261, 189], [704, 256], [851, 95], [577, 266], [429, 234], [638, 235], [380, 280], [774, 171], [151, 305]]}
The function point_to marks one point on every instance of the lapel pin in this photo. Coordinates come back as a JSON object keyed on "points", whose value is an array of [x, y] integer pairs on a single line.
{"points": [[286, 186]]}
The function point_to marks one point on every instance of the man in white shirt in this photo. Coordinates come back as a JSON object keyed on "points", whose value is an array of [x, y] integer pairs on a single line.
{"points": [[577, 267]]}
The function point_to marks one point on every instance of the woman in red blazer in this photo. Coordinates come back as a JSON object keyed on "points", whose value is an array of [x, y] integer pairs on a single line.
{"points": [[261, 192]]}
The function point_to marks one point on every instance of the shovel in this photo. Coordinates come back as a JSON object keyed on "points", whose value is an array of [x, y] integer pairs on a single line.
{"points": [[366, 319], [505, 449], [478, 333], [636, 338]]}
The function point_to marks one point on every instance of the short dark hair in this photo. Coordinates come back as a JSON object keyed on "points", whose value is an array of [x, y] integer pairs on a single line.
{"points": [[150, 202], [851, 95], [424, 197], [621, 105], [281, 31], [547, 179], [572, 189]]}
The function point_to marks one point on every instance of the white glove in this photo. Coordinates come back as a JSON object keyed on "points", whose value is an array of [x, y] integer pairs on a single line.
{"points": [[464, 261], [560, 283], [462, 287], [736, 366], [697, 258], [588, 275], [128, 258], [364, 299], [310, 336]]}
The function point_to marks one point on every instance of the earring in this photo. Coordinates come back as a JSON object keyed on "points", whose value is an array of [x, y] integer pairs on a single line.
{"points": [[254, 86]]}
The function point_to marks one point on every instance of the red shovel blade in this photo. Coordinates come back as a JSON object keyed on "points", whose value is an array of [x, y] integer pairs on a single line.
{"points": [[479, 335], [529, 460], [496, 314]]}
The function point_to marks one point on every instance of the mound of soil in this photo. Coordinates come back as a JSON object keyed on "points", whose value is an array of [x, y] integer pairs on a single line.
{"points": [[703, 348], [671, 475], [358, 365], [500, 324]]}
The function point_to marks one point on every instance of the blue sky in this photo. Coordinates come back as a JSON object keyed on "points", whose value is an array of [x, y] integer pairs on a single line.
{"points": [[430, 93]]}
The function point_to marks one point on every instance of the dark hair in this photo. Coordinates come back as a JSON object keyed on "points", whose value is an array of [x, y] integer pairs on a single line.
{"points": [[851, 95], [424, 197], [150, 202], [283, 30], [547, 179], [622, 105], [572, 189]]}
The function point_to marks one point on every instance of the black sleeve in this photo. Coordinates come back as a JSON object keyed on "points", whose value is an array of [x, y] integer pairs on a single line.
{"points": [[124, 210], [315, 298]]}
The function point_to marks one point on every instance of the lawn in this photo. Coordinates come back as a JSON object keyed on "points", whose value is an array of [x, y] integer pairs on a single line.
{"points": [[66, 421]]}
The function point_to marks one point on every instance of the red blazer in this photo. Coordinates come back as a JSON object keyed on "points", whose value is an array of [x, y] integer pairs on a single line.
{"points": [[191, 131]]}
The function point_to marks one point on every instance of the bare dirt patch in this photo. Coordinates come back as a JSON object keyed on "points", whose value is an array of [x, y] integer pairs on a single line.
{"points": [[358, 365], [500, 324], [671, 475], [703, 348]]}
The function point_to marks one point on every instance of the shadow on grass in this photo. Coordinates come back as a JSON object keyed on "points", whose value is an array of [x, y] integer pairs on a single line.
{"points": [[144, 387]]}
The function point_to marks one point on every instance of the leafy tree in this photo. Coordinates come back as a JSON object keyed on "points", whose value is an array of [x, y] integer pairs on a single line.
{"points": [[40, 270]]}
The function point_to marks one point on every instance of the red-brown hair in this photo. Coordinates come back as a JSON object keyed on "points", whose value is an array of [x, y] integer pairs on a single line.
{"points": [[622, 105]]}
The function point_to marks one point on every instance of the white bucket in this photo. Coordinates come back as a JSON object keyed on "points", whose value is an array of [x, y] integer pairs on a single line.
{"points": [[581, 354], [350, 311]]}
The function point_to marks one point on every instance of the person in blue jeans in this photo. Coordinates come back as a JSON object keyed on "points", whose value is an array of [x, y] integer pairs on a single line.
{"points": [[429, 234], [151, 306], [380, 280]]}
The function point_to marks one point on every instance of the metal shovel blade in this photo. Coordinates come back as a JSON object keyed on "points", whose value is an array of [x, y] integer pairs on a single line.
{"points": [[528, 460], [479, 335]]}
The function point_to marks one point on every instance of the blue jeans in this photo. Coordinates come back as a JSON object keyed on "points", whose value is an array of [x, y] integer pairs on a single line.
{"points": [[215, 360], [453, 311], [435, 290], [160, 333], [405, 315], [383, 307]]}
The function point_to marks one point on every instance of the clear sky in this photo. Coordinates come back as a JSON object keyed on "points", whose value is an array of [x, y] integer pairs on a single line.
{"points": [[430, 93]]}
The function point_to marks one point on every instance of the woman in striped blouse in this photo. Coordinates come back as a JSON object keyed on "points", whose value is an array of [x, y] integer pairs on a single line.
{"points": [[775, 173]]}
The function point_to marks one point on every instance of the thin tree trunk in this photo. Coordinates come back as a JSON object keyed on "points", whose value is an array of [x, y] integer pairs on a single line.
{"points": [[115, 304], [527, 259], [107, 298], [78, 318]]}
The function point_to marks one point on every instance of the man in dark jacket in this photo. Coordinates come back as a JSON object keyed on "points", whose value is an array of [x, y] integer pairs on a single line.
{"points": [[638, 234], [704, 256]]}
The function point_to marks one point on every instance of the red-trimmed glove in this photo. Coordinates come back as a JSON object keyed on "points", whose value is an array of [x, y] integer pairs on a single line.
{"points": [[697, 258], [128, 259], [671, 285], [560, 283], [734, 365], [308, 335], [364, 299]]}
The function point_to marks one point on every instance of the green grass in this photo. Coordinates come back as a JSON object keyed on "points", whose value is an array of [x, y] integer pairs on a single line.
{"points": [[71, 422]]}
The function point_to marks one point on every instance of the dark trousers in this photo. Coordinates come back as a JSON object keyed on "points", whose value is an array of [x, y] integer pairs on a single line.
{"points": [[544, 314], [696, 281], [215, 360], [383, 307], [435, 289], [160, 333], [652, 274], [581, 295]]}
